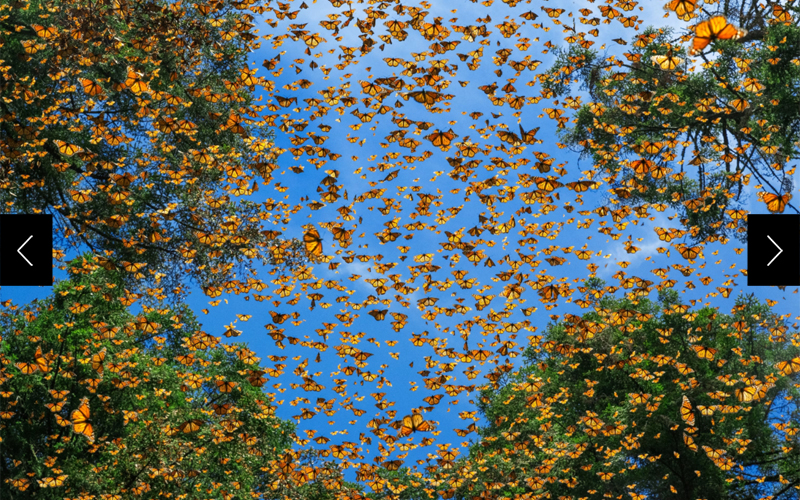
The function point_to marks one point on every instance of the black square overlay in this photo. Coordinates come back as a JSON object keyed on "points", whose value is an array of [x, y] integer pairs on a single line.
{"points": [[773, 249], [26, 250]]}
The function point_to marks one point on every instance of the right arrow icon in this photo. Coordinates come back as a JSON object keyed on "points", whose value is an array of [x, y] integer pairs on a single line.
{"points": [[780, 251], [770, 236]]}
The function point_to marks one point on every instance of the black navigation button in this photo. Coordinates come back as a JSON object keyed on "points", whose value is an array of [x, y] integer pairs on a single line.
{"points": [[773, 250], [26, 250]]}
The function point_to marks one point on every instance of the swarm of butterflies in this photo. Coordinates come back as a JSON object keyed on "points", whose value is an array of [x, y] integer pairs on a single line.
{"points": [[444, 235]]}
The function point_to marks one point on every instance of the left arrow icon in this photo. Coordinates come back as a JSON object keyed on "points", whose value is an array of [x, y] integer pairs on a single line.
{"points": [[19, 250]]}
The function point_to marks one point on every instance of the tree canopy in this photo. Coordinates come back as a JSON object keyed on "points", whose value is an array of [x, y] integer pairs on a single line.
{"points": [[440, 226], [136, 124], [691, 132], [99, 401], [647, 398]]}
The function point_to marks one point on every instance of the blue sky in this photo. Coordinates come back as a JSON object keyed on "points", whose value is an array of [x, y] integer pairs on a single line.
{"points": [[392, 352]]}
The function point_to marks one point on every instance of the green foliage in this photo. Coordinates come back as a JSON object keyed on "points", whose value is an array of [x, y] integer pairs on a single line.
{"points": [[139, 137], [146, 378], [404, 483], [595, 408], [732, 120]]}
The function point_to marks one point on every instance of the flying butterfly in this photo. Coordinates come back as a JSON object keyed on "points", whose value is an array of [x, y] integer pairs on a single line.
{"points": [[704, 352], [190, 426], [684, 9], [686, 411], [424, 97], [91, 87], [97, 361], [690, 253], [52, 482], [789, 367], [80, 420], [716, 28], [312, 242], [67, 149], [746, 394], [413, 423], [667, 62], [775, 203]]}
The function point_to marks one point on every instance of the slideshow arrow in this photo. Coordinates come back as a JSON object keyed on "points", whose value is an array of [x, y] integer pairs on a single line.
{"points": [[31, 236], [780, 251]]}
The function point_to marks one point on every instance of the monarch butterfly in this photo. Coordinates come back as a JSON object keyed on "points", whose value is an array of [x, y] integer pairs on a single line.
{"points": [[285, 102], [789, 367], [642, 166], [553, 12], [248, 357], [313, 242], [27, 368], [55, 407], [682, 8], [705, 410], [97, 361], [442, 139], [424, 97], [594, 423], [686, 411], [134, 83], [779, 14], [704, 352], [91, 87], [739, 104], [393, 61], [667, 62], [20, 484], [80, 420], [528, 137], [413, 423], [225, 386], [509, 137], [712, 453], [690, 253], [43, 32], [378, 314], [41, 361], [67, 149], [58, 394], [746, 394], [190, 426], [775, 203], [716, 28], [52, 482]]}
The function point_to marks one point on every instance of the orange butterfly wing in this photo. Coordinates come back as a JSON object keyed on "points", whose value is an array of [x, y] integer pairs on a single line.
{"points": [[313, 242], [686, 411], [80, 420]]}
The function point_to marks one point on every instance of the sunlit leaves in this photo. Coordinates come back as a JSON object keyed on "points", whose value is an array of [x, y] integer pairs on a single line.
{"points": [[107, 388], [131, 100], [426, 221]]}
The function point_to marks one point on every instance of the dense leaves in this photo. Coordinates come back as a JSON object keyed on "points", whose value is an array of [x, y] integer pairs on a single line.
{"points": [[99, 401], [651, 394], [657, 116], [134, 124], [137, 123]]}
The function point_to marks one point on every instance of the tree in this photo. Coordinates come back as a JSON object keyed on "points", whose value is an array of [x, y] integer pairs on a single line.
{"points": [[643, 397], [688, 128], [98, 401], [135, 124]]}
